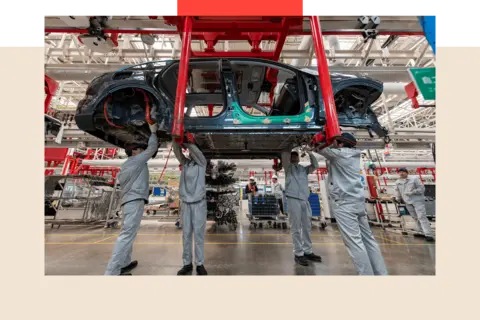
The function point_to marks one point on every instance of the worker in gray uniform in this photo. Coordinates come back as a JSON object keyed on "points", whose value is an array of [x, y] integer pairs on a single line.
{"points": [[133, 180], [411, 191], [348, 206], [299, 210], [278, 192], [193, 205]]}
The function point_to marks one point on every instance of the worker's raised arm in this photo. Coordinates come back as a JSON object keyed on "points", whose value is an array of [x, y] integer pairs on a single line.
{"points": [[313, 162], [145, 155], [177, 150], [329, 153], [286, 159], [419, 187], [196, 154]]}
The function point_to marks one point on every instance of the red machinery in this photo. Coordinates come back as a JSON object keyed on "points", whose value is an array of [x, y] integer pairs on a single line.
{"points": [[50, 89], [53, 156], [412, 94]]}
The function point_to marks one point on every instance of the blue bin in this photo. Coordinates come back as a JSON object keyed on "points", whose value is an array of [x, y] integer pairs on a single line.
{"points": [[314, 204]]}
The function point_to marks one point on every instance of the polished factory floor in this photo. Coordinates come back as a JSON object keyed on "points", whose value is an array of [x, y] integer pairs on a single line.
{"points": [[82, 250]]}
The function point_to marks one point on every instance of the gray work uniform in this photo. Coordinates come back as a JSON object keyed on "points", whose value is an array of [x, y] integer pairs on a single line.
{"points": [[414, 202], [193, 201], [134, 185], [348, 208], [299, 210], [278, 190]]}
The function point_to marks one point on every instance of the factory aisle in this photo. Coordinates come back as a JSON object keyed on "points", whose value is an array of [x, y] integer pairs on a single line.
{"points": [[80, 250]]}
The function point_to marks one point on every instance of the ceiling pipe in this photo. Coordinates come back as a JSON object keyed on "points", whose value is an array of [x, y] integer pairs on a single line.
{"points": [[397, 88], [305, 44]]}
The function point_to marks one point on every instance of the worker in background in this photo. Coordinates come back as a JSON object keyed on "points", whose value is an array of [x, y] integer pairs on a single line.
{"points": [[410, 190], [348, 206], [133, 179], [193, 207], [299, 210], [278, 192], [251, 187]]}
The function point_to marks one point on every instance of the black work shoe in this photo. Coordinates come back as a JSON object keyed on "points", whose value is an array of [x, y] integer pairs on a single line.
{"points": [[313, 257], [429, 239], [301, 260], [201, 271], [419, 235], [186, 270], [130, 267], [125, 274]]}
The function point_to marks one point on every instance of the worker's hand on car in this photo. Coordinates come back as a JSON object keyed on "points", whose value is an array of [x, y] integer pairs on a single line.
{"points": [[153, 127]]}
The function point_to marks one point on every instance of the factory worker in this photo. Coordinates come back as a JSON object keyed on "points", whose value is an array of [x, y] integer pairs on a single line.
{"points": [[133, 180], [251, 187], [278, 192], [193, 208], [410, 190], [348, 205], [299, 210]]}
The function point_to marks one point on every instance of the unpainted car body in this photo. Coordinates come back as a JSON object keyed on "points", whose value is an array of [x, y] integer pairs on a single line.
{"points": [[116, 105]]}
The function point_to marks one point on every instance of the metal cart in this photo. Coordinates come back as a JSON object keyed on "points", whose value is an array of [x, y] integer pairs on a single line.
{"points": [[79, 200], [263, 211]]}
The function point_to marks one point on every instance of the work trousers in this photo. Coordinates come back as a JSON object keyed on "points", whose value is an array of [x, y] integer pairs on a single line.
{"points": [[194, 216], [122, 251], [358, 238], [300, 217], [419, 214], [280, 205]]}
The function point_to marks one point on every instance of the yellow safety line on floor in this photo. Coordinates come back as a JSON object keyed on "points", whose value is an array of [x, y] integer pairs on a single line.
{"points": [[101, 240], [230, 243], [392, 241]]}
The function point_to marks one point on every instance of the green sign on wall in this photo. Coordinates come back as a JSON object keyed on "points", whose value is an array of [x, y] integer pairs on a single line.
{"points": [[425, 81]]}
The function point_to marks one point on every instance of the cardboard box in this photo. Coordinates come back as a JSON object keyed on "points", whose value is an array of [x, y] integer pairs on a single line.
{"points": [[173, 183]]}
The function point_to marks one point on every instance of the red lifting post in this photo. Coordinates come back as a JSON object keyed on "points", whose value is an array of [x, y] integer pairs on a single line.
{"points": [[332, 128], [180, 98], [50, 90]]}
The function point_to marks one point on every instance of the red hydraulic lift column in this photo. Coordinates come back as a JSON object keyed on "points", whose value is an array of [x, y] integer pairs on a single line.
{"points": [[332, 129], [178, 113], [50, 89]]}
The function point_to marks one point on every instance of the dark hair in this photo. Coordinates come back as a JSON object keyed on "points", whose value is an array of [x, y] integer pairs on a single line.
{"points": [[129, 148], [294, 153], [403, 169], [348, 140]]}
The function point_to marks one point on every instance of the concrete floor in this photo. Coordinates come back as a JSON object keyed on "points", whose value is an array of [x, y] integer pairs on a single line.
{"points": [[81, 250]]}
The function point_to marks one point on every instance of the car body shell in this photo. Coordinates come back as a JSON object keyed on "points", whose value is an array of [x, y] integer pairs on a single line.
{"points": [[234, 85]]}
